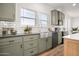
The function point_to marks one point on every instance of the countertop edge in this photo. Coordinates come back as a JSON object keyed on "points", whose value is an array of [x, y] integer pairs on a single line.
{"points": [[17, 35]]}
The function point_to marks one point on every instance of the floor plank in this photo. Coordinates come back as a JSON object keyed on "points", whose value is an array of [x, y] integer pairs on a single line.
{"points": [[58, 51]]}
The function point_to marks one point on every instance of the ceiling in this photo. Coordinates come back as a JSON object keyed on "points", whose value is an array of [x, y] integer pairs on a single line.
{"points": [[73, 11]]}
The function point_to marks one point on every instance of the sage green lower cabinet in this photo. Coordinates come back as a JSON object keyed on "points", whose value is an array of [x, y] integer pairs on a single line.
{"points": [[49, 43], [30, 44], [42, 45], [12, 46], [59, 37], [10, 50], [19, 46], [31, 47], [45, 44]]}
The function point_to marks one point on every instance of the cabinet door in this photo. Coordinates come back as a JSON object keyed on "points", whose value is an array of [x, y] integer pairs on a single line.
{"points": [[7, 11], [42, 44], [11, 46], [49, 43], [16, 50], [59, 37], [61, 18], [54, 17], [11, 50]]}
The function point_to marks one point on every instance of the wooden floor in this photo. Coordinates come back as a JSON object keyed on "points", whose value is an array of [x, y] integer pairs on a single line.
{"points": [[58, 51]]}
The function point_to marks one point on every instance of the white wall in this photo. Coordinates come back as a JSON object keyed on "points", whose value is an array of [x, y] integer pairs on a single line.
{"points": [[67, 23], [75, 22]]}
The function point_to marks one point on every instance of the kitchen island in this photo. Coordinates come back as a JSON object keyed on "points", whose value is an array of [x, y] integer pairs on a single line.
{"points": [[71, 45]]}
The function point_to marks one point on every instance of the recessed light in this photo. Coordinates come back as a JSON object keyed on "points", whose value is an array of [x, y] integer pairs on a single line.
{"points": [[74, 4]]}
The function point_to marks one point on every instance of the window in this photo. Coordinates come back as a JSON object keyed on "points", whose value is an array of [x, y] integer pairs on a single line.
{"points": [[27, 17], [43, 19]]}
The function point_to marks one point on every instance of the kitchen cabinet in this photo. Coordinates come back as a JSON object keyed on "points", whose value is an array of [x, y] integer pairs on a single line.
{"points": [[60, 37], [61, 15], [61, 18], [30, 44], [45, 44], [11, 46], [26, 45], [10, 50], [54, 17], [49, 43], [7, 11], [57, 17], [42, 45]]}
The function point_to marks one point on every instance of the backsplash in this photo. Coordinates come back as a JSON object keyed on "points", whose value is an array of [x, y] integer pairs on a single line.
{"points": [[6, 24], [19, 29]]}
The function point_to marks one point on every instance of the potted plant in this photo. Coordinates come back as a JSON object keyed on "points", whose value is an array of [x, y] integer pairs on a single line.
{"points": [[27, 29]]}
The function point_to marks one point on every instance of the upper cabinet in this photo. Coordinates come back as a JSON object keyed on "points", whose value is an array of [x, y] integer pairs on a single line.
{"points": [[7, 11], [57, 17]]}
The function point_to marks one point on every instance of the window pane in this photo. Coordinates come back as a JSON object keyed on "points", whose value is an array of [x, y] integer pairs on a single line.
{"points": [[27, 13], [43, 23], [42, 16], [22, 12], [25, 21], [27, 17]]}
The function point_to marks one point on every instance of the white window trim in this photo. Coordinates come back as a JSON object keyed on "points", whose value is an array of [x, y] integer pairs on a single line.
{"points": [[43, 20], [30, 17]]}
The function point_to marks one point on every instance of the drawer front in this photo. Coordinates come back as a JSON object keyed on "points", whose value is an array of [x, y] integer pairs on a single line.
{"points": [[30, 44], [15, 39], [31, 37], [31, 52], [9, 41], [4, 41]]}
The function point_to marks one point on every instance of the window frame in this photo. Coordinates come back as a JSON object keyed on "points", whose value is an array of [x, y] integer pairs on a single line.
{"points": [[42, 19], [28, 17]]}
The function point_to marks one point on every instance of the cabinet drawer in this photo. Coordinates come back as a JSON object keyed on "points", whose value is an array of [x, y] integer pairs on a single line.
{"points": [[15, 39], [30, 44], [31, 37], [4, 41], [31, 52], [9, 41]]}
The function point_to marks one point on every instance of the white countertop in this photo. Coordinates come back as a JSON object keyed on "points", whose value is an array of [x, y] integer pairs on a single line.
{"points": [[72, 36]]}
